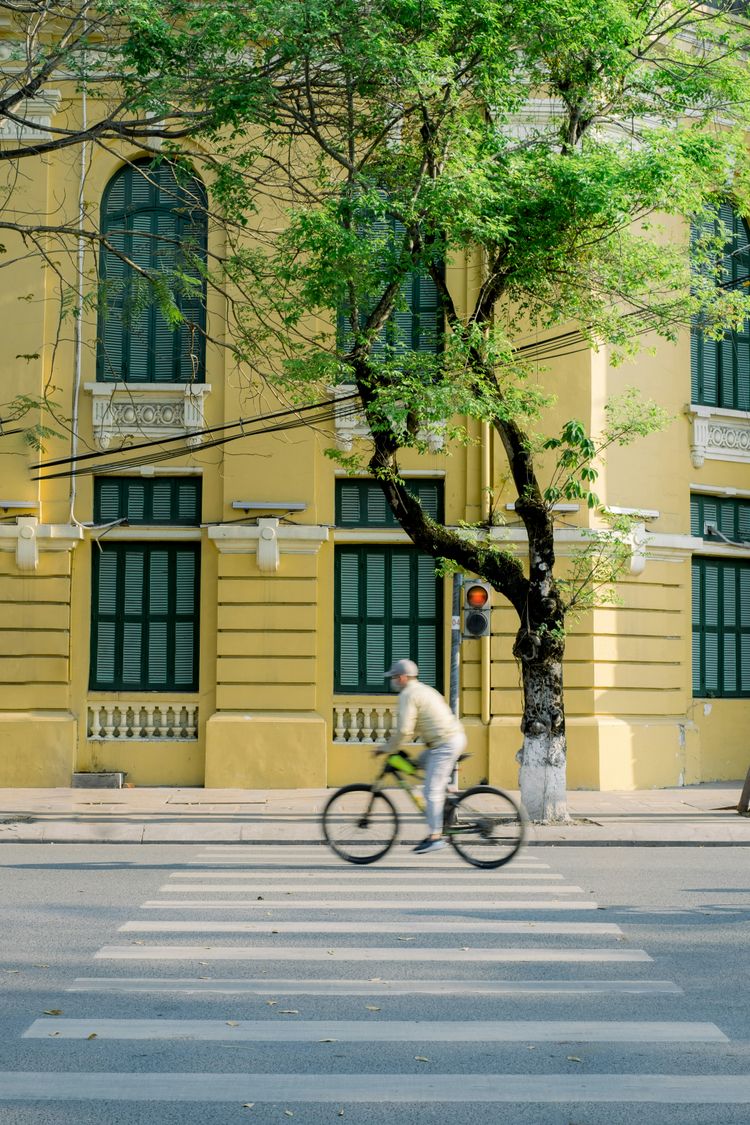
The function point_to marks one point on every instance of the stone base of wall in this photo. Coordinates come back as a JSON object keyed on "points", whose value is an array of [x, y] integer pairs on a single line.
{"points": [[37, 749], [266, 750], [608, 753]]}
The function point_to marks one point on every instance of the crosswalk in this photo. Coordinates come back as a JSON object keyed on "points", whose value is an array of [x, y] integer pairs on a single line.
{"points": [[414, 971]]}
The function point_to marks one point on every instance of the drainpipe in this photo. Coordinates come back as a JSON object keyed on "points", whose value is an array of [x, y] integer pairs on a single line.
{"points": [[485, 654]]}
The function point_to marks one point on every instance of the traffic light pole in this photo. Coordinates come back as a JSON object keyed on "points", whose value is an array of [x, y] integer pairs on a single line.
{"points": [[458, 582]]}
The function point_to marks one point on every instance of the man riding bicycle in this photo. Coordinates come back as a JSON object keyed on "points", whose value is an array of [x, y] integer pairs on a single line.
{"points": [[423, 713]]}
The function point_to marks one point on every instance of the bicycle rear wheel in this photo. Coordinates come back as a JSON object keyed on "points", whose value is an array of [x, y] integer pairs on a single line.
{"points": [[360, 824], [486, 827]]}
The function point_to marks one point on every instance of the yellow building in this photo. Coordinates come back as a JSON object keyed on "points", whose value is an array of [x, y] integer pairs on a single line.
{"points": [[223, 618]]}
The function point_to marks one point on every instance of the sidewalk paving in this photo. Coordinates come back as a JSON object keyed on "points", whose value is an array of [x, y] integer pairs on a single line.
{"points": [[698, 815]]}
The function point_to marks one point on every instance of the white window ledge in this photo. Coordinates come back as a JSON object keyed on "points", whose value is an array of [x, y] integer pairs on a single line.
{"points": [[147, 411], [718, 434]]}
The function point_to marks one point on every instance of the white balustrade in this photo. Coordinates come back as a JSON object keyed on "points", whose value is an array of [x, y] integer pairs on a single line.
{"points": [[142, 722], [363, 723]]}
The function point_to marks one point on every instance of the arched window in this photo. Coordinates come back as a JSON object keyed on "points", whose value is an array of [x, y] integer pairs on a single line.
{"points": [[720, 369], [154, 216]]}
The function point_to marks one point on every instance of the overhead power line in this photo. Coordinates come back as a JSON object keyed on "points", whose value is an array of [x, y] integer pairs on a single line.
{"points": [[327, 412]]}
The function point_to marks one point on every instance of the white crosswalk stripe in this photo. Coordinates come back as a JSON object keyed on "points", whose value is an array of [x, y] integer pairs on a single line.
{"points": [[322, 987], [304, 926], [440, 905], [358, 953], [414, 1088], [386, 1031], [282, 890]]}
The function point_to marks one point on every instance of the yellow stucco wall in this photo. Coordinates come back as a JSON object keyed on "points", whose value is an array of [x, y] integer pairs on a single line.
{"points": [[266, 701]]}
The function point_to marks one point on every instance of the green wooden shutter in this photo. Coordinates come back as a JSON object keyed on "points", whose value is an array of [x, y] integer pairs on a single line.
{"points": [[401, 607], [362, 503], [161, 500], [160, 584], [149, 215], [186, 601], [697, 631], [145, 617], [347, 619], [721, 628], [428, 315], [744, 628], [416, 322], [388, 606]]}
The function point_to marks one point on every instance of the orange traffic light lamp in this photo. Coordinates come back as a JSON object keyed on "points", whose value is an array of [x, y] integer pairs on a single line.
{"points": [[477, 608]]}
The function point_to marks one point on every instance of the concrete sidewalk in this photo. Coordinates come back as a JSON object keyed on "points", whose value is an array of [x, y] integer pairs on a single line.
{"points": [[701, 815]]}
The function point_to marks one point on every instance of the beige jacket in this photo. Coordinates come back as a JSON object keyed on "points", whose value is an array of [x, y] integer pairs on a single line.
{"points": [[422, 713]]}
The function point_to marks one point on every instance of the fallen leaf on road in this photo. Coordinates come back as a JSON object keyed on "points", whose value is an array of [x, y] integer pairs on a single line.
{"points": [[53, 1012], [92, 1035], [574, 1058], [372, 1007], [421, 1058]]}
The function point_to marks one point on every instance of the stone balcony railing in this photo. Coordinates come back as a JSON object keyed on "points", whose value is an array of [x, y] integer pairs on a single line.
{"points": [[363, 721], [142, 721]]}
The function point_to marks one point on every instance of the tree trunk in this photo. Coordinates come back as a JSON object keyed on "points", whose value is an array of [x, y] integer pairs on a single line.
{"points": [[542, 756]]}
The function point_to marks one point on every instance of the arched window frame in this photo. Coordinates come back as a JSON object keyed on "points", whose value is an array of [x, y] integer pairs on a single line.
{"points": [[138, 345]]}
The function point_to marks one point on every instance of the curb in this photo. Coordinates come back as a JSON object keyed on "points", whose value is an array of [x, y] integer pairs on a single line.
{"points": [[198, 841]]}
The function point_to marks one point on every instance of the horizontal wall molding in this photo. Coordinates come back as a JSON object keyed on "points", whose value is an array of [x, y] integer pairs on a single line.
{"points": [[27, 537], [268, 541]]}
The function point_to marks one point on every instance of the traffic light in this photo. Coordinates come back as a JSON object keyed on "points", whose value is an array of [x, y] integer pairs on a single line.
{"points": [[477, 608]]}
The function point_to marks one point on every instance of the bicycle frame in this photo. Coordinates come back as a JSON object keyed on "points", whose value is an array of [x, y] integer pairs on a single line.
{"points": [[405, 779]]}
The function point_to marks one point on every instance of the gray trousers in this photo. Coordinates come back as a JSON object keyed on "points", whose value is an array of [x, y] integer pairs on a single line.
{"points": [[438, 762]]}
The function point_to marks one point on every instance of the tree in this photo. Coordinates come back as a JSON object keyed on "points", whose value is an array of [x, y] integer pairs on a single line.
{"points": [[536, 141], [351, 147]]}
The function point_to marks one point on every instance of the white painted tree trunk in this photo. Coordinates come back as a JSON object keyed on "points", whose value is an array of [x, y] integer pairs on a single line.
{"points": [[542, 757]]}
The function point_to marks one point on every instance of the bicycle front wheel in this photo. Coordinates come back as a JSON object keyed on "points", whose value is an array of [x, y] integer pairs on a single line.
{"points": [[360, 824], [486, 827]]}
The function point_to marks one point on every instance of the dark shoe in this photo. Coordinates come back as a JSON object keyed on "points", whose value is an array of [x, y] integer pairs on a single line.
{"points": [[430, 845]]}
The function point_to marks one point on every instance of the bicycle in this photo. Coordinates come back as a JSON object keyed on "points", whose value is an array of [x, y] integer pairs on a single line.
{"points": [[360, 822]]}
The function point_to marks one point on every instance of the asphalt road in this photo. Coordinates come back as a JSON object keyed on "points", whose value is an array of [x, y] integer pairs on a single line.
{"points": [[182, 983]]}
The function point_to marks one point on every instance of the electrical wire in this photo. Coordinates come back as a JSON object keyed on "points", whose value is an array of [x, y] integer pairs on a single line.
{"points": [[196, 433], [328, 415]]}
